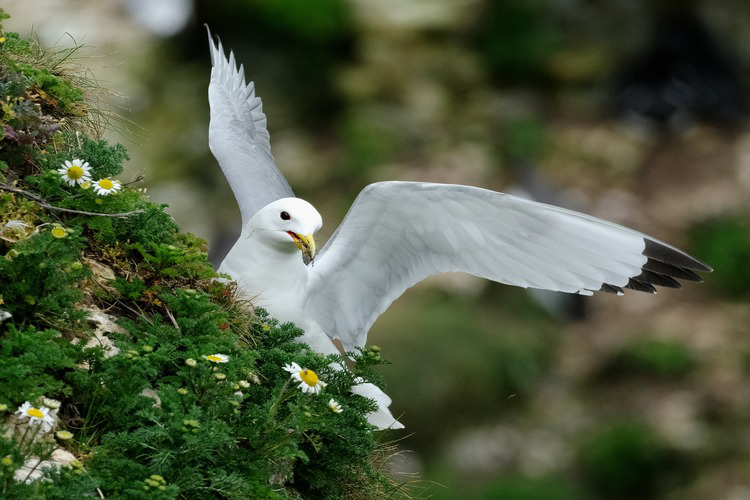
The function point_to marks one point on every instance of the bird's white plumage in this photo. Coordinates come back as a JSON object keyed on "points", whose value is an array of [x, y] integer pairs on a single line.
{"points": [[398, 233], [238, 138]]}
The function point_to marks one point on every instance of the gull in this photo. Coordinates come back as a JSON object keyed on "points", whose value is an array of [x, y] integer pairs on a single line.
{"points": [[398, 233]]}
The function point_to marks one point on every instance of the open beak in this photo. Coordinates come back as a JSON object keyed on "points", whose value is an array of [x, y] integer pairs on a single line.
{"points": [[306, 243]]}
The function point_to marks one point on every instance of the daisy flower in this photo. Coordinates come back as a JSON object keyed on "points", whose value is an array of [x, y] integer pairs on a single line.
{"points": [[36, 415], [75, 172], [217, 358], [309, 382], [334, 406], [59, 232], [104, 187]]}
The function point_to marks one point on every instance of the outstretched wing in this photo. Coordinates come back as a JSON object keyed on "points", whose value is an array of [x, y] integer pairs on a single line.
{"points": [[398, 233], [238, 137]]}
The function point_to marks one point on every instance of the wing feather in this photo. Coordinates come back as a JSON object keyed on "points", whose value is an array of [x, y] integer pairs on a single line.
{"points": [[398, 233], [238, 138]]}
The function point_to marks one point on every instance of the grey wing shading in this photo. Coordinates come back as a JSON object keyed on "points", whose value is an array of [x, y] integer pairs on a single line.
{"points": [[238, 138], [398, 233]]}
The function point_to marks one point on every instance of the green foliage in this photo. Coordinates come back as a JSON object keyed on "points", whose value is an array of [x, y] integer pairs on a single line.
{"points": [[39, 278], [187, 260], [654, 358], [35, 363], [516, 39], [626, 460], [153, 415], [327, 21], [725, 242]]}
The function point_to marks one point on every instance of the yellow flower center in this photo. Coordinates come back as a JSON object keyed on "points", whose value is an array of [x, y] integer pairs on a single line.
{"points": [[106, 184], [215, 359], [35, 412], [309, 377], [75, 172], [59, 232]]}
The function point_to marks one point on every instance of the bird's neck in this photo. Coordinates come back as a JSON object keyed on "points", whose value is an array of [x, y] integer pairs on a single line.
{"points": [[275, 277]]}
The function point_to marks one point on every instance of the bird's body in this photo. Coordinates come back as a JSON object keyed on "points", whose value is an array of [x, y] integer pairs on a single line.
{"points": [[398, 233], [254, 262]]}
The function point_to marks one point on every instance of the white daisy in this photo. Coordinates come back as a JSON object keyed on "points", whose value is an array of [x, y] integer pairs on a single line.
{"points": [[334, 406], [217, 358], [309, 382], [36, 416], [75, 172], [104, 187]]}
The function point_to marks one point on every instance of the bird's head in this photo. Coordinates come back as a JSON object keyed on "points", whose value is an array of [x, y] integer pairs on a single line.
{"points": [[288, 223]]}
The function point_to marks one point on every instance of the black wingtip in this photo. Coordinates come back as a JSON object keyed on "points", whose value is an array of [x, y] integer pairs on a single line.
{"points": [[670, 255], [665, 265], [615, 290]]}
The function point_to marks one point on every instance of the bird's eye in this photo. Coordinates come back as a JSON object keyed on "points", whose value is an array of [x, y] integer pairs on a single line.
{"points": [[285, 215]]}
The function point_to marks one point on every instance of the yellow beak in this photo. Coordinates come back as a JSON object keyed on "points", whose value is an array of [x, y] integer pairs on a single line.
{"points": [[306, 243]]}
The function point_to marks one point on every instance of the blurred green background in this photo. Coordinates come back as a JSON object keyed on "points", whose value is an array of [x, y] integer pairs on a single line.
{"points": [[630, 111]]}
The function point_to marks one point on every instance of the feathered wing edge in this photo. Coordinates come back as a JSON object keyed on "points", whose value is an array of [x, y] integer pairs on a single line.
{"points": [[493, 235], [238, 136]]}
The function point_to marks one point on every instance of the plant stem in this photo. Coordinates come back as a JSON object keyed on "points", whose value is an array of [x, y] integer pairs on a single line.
{"points": [[42, 203]]}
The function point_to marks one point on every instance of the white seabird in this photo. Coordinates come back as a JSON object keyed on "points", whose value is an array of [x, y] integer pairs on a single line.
{"points": [[398, 233]]}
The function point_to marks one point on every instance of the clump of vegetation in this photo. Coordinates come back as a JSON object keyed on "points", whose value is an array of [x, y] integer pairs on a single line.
{"points": [[128, 369], [724, 241], [651, 357], [627, 460]]}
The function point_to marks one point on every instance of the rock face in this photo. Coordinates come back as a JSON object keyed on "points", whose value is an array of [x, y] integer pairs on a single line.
{"points": [[105, 324]]}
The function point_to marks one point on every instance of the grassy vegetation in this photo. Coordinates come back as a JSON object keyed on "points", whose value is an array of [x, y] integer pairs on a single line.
{"points": [[152, 377]]}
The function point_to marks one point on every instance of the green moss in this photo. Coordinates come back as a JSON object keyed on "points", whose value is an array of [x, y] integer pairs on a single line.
{"points": [[58, 95]]}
